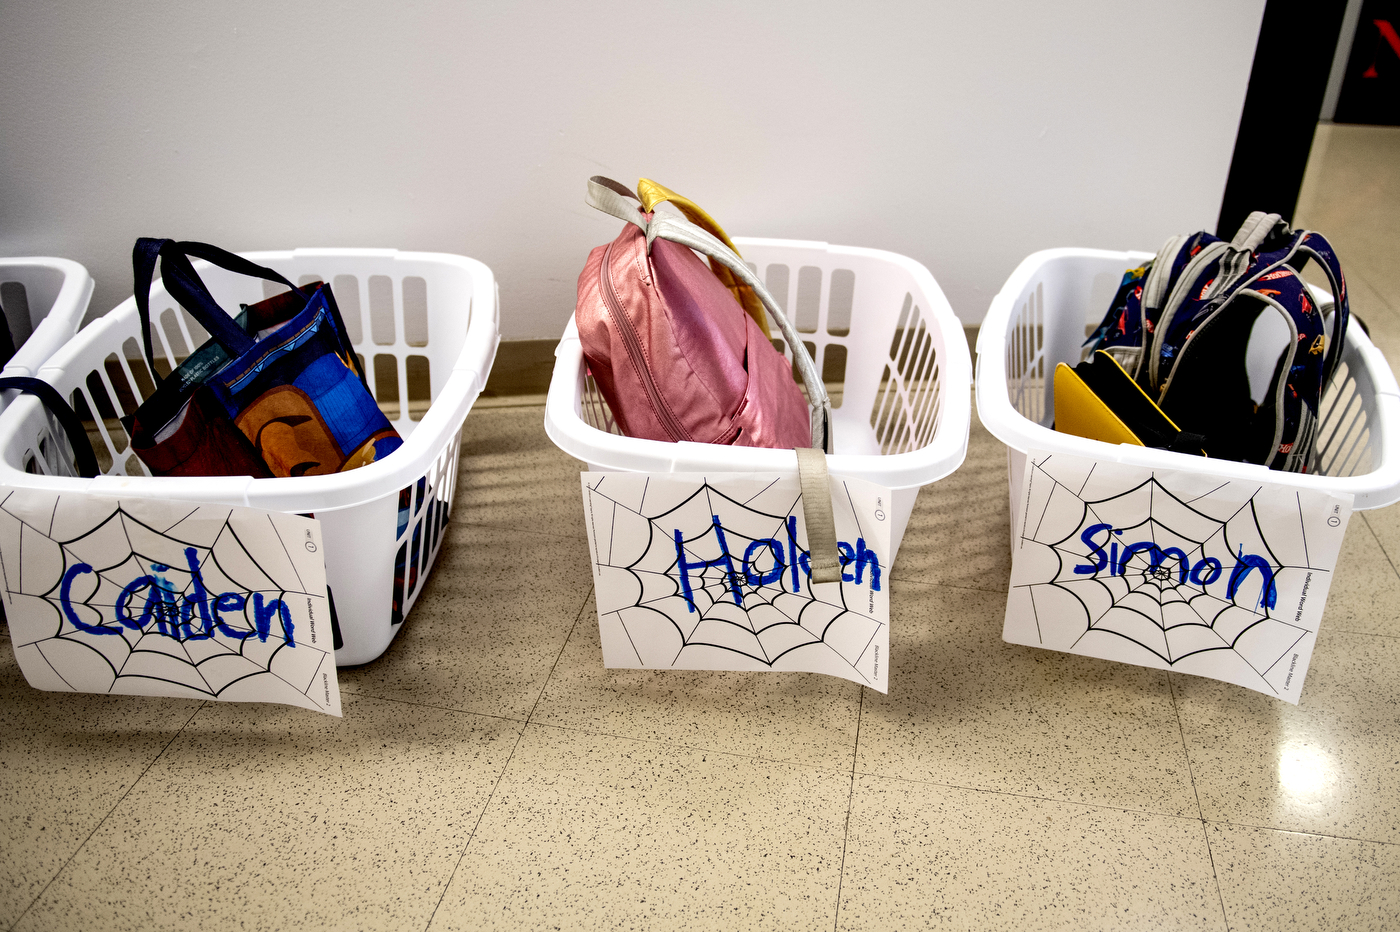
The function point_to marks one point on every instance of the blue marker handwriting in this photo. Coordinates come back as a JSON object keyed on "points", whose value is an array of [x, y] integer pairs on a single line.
{"points": [[194, 616], [1202, 573], [787, 556]]}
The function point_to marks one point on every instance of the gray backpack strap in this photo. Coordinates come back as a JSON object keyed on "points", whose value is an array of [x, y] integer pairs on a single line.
{"points": [[1179, 294], [604, 195], [1234, 258], [811, 461], [679, 230], [613, 199], [1154, 295], [1154, 289], [1257, 227], [814, 480]]}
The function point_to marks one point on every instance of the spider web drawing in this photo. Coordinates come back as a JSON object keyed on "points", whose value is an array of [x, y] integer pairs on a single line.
{"points": [[694, 572], [167, 599], [1221, 578]]}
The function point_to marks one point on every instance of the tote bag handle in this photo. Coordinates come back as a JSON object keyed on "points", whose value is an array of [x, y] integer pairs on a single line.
{"points": [[188, 289]]}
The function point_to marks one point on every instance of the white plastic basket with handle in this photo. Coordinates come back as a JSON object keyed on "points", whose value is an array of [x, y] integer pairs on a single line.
{"points": [[1054, 298], [887, 344], [427, 327], [44, 301]]}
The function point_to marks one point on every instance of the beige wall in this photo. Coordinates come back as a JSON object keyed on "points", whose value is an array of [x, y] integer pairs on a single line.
{"points": [[963, 134]]}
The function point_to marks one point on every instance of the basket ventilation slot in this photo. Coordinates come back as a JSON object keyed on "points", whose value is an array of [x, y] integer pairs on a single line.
{"points": [[422, 520], [1344, 435], [1025, 359], [906, 408]]}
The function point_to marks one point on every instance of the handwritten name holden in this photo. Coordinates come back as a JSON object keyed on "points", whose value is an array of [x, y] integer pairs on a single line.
{"points": [[781, 556]]}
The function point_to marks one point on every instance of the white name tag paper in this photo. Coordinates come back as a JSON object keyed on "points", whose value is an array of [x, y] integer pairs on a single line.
{"points": [[1181, 571], [158, 598], [697, 572]]}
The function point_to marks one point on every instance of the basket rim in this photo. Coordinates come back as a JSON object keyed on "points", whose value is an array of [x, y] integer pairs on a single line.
{"points": [[63, 318], [942, 455], [1375, 489], [306, 493]]}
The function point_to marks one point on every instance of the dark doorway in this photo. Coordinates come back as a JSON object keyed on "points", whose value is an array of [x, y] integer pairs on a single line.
{"points": [[1292, 61], [1371, 88]]}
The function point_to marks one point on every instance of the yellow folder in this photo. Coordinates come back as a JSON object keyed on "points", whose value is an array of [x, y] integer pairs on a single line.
{"points": [[1099, 400]]}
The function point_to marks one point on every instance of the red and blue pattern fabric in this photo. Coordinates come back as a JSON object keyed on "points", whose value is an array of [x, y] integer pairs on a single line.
{"points": [[1129, 330], [297, 398], [1188, 346], [294, 392]]}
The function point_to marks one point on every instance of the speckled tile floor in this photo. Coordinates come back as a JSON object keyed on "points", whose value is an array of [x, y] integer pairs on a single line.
{"points": [[489, 773]]}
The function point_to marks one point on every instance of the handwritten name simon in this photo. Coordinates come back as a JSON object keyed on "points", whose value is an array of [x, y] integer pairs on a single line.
{"points": [[194, 616], [787, 556], [1106, 554]]}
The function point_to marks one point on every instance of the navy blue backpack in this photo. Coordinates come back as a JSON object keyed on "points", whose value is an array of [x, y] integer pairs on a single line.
{"points": [[1181, 327]]}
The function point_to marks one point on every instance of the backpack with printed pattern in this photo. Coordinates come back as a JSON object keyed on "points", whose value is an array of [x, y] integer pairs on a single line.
{"points": [[1181, 326]]}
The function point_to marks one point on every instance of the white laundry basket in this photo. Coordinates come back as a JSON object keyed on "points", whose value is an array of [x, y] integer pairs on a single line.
{"points": [[44, 301], [886, 342], [427, 327], [1041, 318]]}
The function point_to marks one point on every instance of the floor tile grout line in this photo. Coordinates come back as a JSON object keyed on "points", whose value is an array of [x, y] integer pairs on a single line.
{"points": [[582, 610], [435, 708], [1196, 791], [520, 736], [1123, 809], [1215, 875], [850, 803], [1332, 629], [1185, 747], [904, 581], [1365, 280], [447, 885], [103, 821], [700, 749], [1379, 543], [517, 529], [1045, 799], [1298, 831]]}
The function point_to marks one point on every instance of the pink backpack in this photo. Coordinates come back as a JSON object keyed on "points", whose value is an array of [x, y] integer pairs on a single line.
{"points": [[673, 353]]}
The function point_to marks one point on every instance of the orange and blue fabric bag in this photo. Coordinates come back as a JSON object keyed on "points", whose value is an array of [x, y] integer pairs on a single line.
{"points": [[284, 389]]}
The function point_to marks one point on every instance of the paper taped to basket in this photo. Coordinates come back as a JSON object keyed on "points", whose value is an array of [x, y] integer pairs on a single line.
{"points": [[159, 598], [710, 572], [1178, 570]]}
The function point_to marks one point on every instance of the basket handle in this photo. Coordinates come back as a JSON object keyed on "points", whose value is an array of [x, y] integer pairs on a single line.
{"points": [[188, 289], [83, 457], [612, 198]]}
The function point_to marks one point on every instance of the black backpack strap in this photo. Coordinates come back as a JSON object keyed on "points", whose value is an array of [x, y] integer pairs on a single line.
{"points": [[84, 459]]}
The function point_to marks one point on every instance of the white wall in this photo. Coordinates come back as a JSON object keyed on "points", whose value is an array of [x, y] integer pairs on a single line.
{"points": [[963, 134]]}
